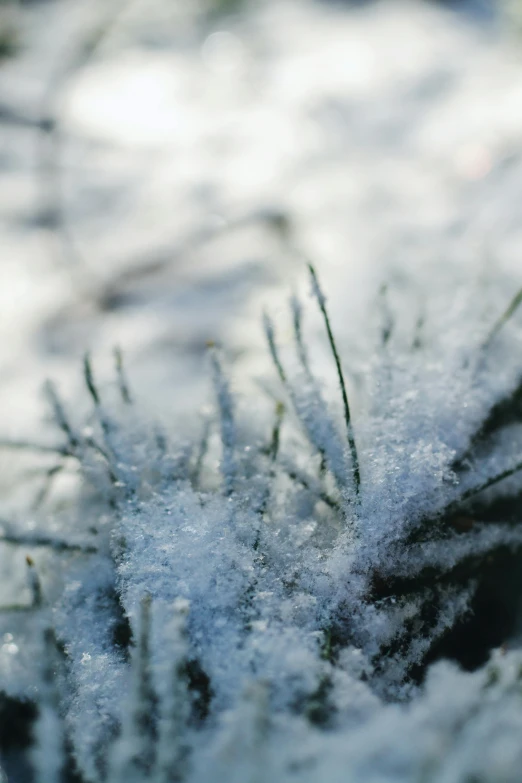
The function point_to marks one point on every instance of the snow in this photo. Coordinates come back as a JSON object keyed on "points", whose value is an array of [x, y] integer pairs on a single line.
{"points": [[261, 602]]}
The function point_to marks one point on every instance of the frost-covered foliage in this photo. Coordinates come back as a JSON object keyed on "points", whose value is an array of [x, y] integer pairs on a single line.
{"points": [[267, 604]]}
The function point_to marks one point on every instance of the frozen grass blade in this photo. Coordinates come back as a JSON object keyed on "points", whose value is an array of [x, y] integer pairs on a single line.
{"points": [[37, 448], [273, 448], [123, 384], [272, 346], [228, 428], [95, 395], [506, 411], [316, 289], [271, 451], [504, 318], [38, 539], [145, 704], [48, 754], [135, 749], [309, 483], [297, 318], [491, 482], [60, 415], [202, 452], [89, 380], [43, 493], [175, 703], [35, 585], [320, 430], [418, 340], [119, 474], [387, 324]]}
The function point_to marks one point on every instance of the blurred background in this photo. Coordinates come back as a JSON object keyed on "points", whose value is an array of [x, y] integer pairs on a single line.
{"points": [[159, 159]]}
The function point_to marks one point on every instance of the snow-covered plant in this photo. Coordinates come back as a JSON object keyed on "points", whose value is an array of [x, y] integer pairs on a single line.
{"points": [[265, 604]]}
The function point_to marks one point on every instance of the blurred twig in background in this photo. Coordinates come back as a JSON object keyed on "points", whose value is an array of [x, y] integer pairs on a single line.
{"points": [[104, 19]]}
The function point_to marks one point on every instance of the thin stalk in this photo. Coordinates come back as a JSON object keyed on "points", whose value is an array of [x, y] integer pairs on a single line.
{"points": [[387, 319], [39, 448], [274, 353], [228, 427], [98, 448], [504, 318], [110, 453], [308, 482], [417, 334], [43, 539], [60, 415], [46, 487], [34, 583], [491, 482], [89, 380], [272, 451], [123, 385], [351, 441], [297, 313], [273, 448], [202, 452], [48, 751], [145, 698]]}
